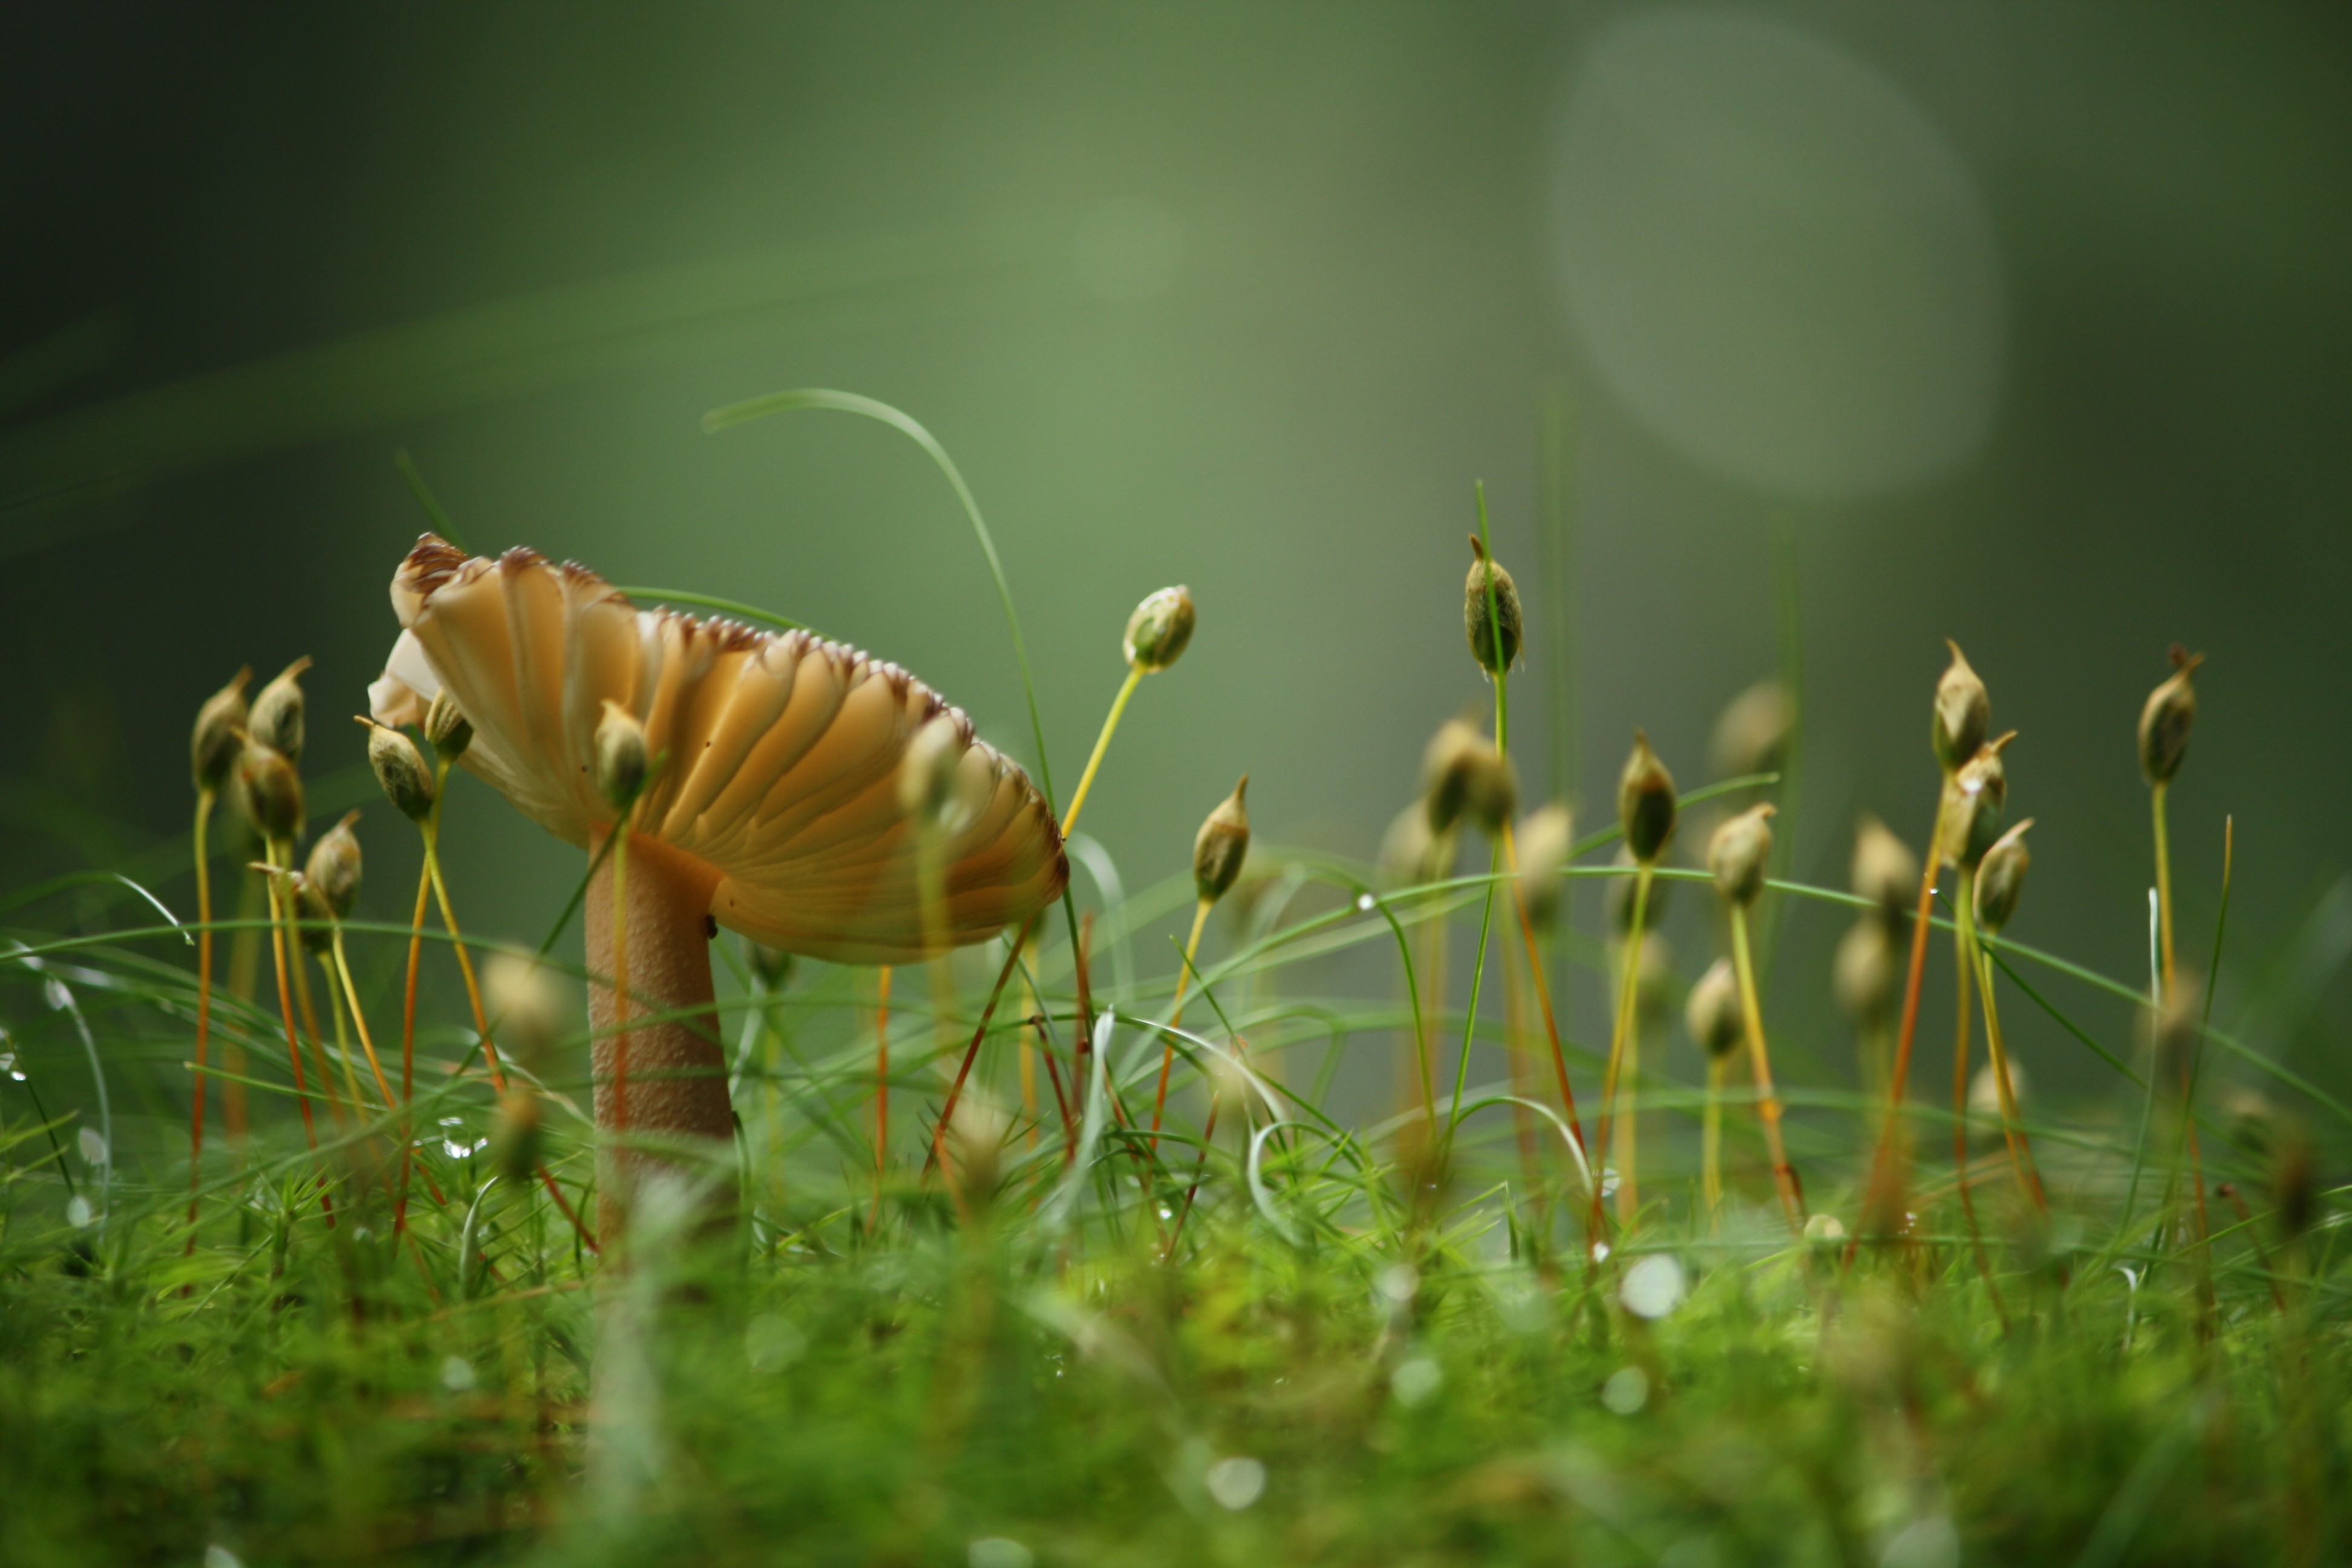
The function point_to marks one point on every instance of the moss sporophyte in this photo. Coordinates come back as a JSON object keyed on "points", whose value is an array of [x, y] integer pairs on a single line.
{"points": [[962, 1333]]}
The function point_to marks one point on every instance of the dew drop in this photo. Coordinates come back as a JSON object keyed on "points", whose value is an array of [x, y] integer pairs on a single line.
{"points": [[1627, 1390], [1235, 1483], [1654, 1285], [1416, 1381]]}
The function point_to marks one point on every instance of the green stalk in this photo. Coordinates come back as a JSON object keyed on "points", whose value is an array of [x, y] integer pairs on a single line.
{"points": [[343, 1035], [204, 799], [358, 1019], [1135, 674], [1494, 854], [1767, 1101], [1470, 1021], [2021, 1154]]}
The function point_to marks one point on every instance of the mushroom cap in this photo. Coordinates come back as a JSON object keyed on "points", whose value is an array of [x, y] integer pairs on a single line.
{"points": [[780, 753]]}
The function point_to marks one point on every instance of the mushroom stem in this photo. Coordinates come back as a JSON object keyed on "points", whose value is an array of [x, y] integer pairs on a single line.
{"points": [[678, 1071]]}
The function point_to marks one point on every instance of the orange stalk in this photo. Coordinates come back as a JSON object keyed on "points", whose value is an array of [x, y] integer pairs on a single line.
{"points": [[1176, 1020], [286, 1012], [408, 1049], [1883, 1197]]}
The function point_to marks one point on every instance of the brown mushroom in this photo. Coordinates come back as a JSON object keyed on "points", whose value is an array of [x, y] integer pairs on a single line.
{"points": [[772, 805]]}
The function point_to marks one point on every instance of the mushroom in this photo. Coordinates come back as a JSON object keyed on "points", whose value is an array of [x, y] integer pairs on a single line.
{"points": [[773, 807]]}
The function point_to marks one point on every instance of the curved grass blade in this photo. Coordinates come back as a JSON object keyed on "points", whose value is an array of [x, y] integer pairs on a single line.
{"points": [[752, 408]]}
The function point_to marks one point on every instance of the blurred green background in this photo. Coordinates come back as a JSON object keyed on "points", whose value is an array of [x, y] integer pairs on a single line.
{"points": [[2022, 325]]}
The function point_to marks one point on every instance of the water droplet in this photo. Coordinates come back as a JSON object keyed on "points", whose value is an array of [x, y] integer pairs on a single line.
{"points": [[92, 1146], [1365, 902], [999, 1551], [457, 1373], [1608, 1181], [1654, 1285], [60, 998], [219, 1556], [452, 1120], [78, 1214], [455, 1150], [1415, 1381], [1398, 1282], [1235, 1483], [1627, 1390], [1600, 1252]]}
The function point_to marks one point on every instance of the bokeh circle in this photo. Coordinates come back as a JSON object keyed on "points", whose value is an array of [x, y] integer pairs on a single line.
{"points": [[1773, 257]]}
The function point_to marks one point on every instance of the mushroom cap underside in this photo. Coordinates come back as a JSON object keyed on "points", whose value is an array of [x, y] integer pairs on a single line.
{"points": [[776, 755]]}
